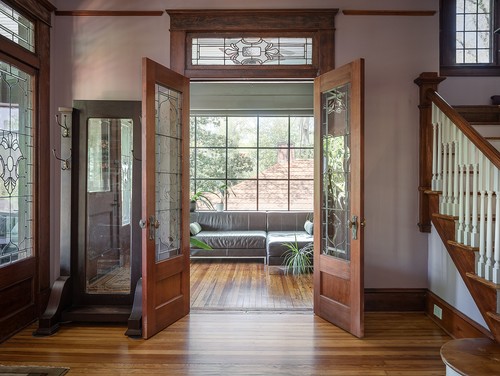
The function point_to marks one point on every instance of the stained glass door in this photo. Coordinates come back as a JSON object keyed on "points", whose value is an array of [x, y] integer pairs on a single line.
{"points": [[165, 197], [338, 214]]}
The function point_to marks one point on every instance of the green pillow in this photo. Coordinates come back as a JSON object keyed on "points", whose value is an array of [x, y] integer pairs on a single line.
{"points": [[194, 228], [309, 226]]}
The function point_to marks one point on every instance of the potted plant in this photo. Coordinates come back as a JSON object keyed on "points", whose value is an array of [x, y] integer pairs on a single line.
{"points": [[203, 198], [224, 191], [298, 260]]}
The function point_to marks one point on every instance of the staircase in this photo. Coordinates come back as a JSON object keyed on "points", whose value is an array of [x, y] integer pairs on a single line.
{"points": [[460, 190]]}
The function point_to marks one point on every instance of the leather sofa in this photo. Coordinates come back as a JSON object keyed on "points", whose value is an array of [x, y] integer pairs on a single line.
{"points": [[249, 234]]}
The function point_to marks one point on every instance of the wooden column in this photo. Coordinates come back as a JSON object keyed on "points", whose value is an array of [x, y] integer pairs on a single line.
{"points": [[426, 81]]}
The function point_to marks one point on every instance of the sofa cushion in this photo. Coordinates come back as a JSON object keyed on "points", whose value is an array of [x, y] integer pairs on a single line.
{"points": [[286, 221], [276, 239], [194, 228], [309, 227], [233, 239], [230, 221]]}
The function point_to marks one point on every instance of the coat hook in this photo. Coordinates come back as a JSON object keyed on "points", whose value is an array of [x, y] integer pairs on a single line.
{"points": [[133, 156], [64, 162], [65, 129]]}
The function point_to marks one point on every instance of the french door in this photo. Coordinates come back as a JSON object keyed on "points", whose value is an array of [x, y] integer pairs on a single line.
{"points": [[338, 207], [165, 197]]}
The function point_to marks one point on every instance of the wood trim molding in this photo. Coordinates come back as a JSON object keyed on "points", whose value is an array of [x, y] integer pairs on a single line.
{"points": [[252, 20], [109, 13], [405, 13], [318, 23], [454, 322], [395, 300]]}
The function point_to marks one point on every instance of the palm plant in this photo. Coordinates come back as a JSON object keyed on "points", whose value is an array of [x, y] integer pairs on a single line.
{"points": [[298, 259]]}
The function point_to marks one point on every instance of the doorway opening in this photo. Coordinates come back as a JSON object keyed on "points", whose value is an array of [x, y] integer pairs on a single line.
{"points": [[255, 140]]}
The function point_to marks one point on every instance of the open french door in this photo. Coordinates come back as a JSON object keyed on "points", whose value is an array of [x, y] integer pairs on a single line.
{"points": [[165, 200], [338, 201]]}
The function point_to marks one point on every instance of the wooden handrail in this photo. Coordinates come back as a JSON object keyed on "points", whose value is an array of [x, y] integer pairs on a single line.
{"points": [[485, 147]]}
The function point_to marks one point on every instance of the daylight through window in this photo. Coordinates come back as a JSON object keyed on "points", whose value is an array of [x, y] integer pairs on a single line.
{"points": [[267, 161]]}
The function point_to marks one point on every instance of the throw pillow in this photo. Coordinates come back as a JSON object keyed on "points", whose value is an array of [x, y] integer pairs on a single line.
{"points": [[194, 228], [309, 226]]}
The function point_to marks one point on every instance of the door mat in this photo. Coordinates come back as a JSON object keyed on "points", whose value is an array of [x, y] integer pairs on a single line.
{"points": [[32, 371]]}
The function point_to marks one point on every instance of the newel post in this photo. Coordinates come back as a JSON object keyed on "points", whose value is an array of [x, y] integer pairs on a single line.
{"points": [[426, 81]]}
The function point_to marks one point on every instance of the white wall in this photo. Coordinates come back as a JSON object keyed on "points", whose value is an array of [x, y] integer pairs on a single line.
{"points": [[99, 58], [446, 282]]}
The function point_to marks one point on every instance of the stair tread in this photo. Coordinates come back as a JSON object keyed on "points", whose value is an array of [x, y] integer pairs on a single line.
{"points": [[472, 356], [494, 315], [483, 281], [463, 246]]}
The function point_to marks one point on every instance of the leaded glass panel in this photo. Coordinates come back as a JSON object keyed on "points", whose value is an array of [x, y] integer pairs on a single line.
{"points": [[336, 172], [16, 164], [16, 27], [251, 51], [168, 172]]}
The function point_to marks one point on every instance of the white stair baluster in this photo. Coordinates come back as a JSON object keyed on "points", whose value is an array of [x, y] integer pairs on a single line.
{"points": [[482, 246], [446, 155], [489, 222], [456, 164], [461, 196], [439, 152], [467, 227], [496, 255], [435, 174], [474, 240]]}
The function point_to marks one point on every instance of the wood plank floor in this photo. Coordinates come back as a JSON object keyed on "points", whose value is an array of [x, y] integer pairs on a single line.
{"points": [[249, 286], [239, 343]]}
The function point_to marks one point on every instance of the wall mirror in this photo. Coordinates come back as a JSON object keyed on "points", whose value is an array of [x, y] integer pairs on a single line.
{"points": [[106, 244]]}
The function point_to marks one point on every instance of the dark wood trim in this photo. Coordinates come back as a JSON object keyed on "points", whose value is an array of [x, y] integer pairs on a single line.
{"points": [[109, 13], [39, 9], [320, 23], [19, 53], [251, 20], [454, 322], [447, 45], [395, 300], [426, 81], [42, 161], [372, 12]]}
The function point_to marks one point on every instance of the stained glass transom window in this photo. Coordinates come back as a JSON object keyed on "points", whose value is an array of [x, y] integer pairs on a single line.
{"points": [[16, 164], [252, 51], [16, 27], [474, 31]]}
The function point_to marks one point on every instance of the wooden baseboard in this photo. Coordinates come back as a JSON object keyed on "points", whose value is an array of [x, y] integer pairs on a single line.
{"points": [[452, 321], [395, 300]]}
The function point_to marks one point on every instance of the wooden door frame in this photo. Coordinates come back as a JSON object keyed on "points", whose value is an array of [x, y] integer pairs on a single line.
{"points": [[36, 270], [319, 23]]}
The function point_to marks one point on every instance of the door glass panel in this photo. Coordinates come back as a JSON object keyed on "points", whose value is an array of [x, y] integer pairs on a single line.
{"points": [[168, 173], [109, 192], [16, 164], [336, 165]]}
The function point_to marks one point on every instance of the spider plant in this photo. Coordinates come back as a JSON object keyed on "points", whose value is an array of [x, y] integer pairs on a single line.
{"points": [[298, 259]]}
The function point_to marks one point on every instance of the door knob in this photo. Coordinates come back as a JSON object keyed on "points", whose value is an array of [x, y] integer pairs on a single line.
{"points": [[353, 225]]}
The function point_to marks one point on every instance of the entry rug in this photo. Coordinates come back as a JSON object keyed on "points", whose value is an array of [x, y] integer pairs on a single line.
{"points": [[32, 371]]}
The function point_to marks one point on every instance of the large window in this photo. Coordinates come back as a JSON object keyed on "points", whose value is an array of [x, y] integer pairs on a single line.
{"points": [[469, 44], [267, 161]]}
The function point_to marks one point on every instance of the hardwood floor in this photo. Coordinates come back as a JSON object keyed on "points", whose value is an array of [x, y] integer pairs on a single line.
{"points": [[220, 343], [248, 286], [260, 336]]}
